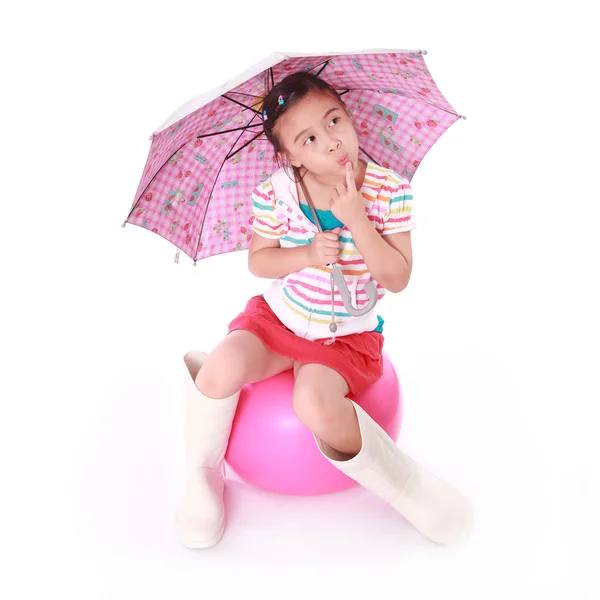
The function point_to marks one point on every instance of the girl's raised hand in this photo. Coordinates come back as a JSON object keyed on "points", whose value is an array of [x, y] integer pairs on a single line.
{"points": [[348, 206]]}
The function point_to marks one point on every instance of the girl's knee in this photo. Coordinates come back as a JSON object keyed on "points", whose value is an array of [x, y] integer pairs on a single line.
{"points": [[235, 362], [219, 377], [242, 358], [311, 408]]}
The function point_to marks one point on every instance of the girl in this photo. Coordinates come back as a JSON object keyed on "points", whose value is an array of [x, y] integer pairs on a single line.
{"points": [[300, 322]]}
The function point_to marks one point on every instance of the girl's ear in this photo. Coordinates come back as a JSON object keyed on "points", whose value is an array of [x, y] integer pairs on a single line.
{"points": [[284, 158], [292, 162]]}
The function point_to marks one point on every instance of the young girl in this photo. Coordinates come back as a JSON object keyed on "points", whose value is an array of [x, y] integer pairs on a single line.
{"points": [[364, 211]]}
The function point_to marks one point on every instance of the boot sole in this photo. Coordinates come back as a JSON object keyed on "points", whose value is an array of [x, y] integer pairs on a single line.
{"points": [[467, 531], [193, 543]]}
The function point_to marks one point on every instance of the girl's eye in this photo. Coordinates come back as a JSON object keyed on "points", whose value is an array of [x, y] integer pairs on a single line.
{"points": [[312, 136]]}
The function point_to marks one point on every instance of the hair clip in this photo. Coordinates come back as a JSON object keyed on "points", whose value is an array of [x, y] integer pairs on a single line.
{"points": [[280, 100], [265, 115]]}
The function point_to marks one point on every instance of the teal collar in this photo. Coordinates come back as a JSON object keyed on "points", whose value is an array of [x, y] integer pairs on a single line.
{"points": [[326, 217]]}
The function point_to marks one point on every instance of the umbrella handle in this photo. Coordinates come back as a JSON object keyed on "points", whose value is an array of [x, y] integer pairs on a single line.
{"points": [[370, 288]]}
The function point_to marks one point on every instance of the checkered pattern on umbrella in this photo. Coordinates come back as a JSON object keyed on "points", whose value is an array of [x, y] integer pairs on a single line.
{"points": [[196, 186]]}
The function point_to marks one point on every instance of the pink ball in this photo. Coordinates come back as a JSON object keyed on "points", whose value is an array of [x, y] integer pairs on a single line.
{"points": [[271, 449]]}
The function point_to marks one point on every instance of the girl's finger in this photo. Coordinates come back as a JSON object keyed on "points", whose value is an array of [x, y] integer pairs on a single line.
{"points": [[349, 174]]}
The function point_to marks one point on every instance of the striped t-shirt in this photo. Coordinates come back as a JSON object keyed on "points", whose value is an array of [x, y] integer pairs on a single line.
{"points": [[302, 300]]}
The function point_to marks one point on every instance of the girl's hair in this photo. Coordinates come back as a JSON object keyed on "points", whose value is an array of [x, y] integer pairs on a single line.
{"points": [[293, 88]]}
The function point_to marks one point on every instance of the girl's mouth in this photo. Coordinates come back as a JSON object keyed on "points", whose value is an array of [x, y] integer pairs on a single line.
{"points": [[343, 160]]}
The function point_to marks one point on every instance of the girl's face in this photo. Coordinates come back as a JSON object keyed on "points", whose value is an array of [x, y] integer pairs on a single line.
{"points": [[316, 133]]}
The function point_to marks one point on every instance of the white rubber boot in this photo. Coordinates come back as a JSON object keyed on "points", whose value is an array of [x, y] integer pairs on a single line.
{"points": [[201, 513], [436, 509]]}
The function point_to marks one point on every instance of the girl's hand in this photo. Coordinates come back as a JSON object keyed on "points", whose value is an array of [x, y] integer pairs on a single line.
{"points": [[349, 205], [324, 248]]}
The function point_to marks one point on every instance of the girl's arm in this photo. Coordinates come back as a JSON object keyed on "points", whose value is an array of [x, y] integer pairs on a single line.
{"points": [[268, 260], [385, 261]]}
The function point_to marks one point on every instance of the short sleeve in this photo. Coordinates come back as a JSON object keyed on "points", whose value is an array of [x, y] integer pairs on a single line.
{"points": [[396, 206], [268, 222]]}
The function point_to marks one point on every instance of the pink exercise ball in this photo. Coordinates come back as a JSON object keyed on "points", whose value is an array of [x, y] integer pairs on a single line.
{"points": [[270, 448]]}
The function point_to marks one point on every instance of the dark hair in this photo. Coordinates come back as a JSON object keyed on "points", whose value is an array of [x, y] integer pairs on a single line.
{"points": [[293, 88]]}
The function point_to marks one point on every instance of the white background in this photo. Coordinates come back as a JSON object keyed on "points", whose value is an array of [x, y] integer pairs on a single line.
{"points": [[495, 340]]}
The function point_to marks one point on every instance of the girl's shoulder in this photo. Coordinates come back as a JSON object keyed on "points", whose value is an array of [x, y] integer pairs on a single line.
{"points": [[279, 186], [264, 183], [272, 184], [383, 177], [267, 180], [269, 195], [382, 184]]}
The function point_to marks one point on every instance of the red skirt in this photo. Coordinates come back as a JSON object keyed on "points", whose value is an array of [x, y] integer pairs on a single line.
{"points": [[356, 357]]}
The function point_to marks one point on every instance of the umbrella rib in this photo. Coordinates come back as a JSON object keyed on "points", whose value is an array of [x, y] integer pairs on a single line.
{"points": [[242, 147], [203, 135], [240, 103], [243, 94], [324, 65]]}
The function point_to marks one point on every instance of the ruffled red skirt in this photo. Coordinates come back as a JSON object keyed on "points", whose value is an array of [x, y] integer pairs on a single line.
{"points": [[356, 357]]}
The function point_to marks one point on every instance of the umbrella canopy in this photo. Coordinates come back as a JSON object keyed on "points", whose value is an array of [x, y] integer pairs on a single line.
{"points": [[209, 155]]}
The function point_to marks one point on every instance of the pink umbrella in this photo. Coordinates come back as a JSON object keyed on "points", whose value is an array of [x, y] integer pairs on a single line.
{"points": [[206, 159]]}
